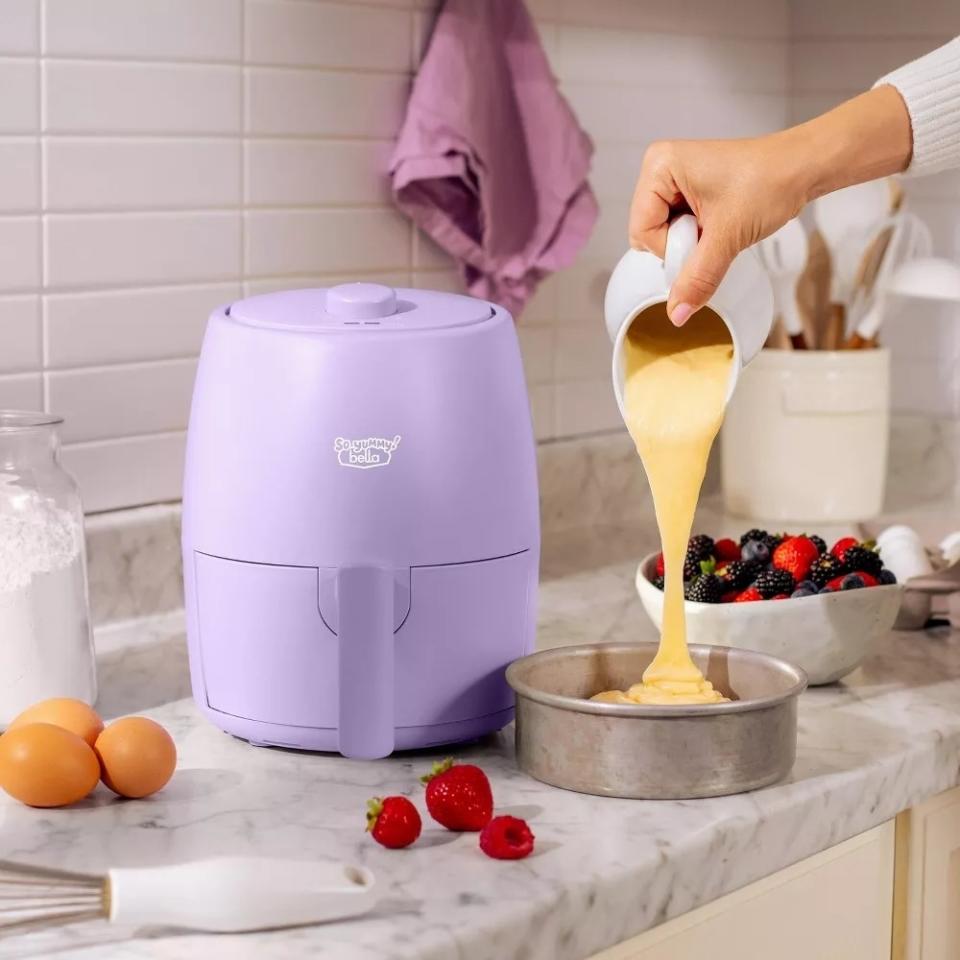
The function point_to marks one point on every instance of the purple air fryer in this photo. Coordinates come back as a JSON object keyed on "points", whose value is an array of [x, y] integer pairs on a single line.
{"points": [[361, 526]]}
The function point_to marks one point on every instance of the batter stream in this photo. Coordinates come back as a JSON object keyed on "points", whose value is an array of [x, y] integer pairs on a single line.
{"points": [[675, 385]]}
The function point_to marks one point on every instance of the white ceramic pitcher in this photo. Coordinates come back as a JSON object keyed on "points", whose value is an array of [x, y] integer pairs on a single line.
{"points": [[743, 301]]}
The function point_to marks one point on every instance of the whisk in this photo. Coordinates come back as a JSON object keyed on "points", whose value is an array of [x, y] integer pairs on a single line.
{"points": [[220, 895]]}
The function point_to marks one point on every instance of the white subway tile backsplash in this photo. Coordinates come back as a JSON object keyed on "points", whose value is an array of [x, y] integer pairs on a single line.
{"points": [[125, 249], [753, 18], [449, 280], [22, 391], [169, 98], [543, 410], [804, 107], [427, 255], [19, 174], [849, 65], [195, 151], [586, 406], [581, 288], [682, 114], [127, 472], [149, 29], [609, 239], [614, 170], [321, 34], [19, 253], [921, 388], [320, 103], [19, 333], [121, 326], [19, 95], [321, 241], [922, 331], [542, 307], [155, 399], [423, 24], [19, 26], [583, 353], [943, 219], [542, 10], [657, 61], [537, 345], [253, 288], [879, 18], [317, 173], [117, 174]]}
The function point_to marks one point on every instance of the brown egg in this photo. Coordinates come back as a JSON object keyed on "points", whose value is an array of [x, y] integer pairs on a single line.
{"points": [[46, 766], [137, 756], [73, 715]]}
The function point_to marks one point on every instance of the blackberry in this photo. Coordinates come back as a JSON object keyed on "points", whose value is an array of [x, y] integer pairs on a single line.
{"points": [[699, 548], [658, 582], [862, 560], [824, 569], [754, 534], [774, 581], [708, 588], [819, 543], [738, 574]]}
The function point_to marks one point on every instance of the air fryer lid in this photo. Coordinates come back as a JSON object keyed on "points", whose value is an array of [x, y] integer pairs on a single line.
{"points": [[360, 306]]}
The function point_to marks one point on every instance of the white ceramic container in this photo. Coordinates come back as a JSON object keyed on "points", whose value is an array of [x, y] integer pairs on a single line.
{"points": [[744, 300], [805, 438], [828, 635]]}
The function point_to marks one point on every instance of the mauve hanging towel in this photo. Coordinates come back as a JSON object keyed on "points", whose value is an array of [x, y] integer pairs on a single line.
{"points": [[491, 162]]}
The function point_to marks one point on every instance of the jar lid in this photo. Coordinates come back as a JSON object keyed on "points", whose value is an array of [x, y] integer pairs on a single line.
{"points": [[360, 306]]}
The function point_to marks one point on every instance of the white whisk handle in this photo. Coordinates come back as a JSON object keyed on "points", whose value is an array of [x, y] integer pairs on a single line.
{"points": [[233, 894]]}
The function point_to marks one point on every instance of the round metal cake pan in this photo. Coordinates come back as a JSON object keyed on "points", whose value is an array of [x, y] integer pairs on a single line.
{"points": [[654, 752]]}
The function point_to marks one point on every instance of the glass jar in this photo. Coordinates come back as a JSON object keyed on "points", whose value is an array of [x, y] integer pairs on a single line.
{"points": [[46, 648]]}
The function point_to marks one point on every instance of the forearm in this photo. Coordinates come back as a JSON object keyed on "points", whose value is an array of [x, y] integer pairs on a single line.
{"points": [[862, 139]]}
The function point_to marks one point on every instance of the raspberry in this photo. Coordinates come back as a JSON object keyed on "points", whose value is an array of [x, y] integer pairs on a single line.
{"points": [[507, 838]]}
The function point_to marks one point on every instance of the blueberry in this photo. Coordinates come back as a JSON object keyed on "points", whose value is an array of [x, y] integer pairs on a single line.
{"points": [[887, 576], [852, 581], [802, 591], [827, 590], [757, 551], [808, 585]]}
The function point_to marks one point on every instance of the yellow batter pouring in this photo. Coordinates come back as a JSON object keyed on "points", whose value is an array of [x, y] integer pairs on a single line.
{"points": [[676, 381]]}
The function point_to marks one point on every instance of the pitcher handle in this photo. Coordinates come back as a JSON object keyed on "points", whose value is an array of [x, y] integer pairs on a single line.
{"points": [[682, 236]]}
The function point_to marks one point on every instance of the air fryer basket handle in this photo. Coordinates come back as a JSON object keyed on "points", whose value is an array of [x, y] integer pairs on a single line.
{"points": [[365, 631]]}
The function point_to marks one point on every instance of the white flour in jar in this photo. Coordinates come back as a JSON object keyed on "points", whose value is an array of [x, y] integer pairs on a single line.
{"points": [[45, 648]]}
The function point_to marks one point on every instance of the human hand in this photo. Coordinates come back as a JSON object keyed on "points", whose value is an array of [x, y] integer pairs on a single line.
{"points": [[739, 193], [743, 190]]}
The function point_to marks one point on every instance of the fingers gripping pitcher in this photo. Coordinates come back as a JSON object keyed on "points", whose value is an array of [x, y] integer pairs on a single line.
{"points": [[672, 386]]}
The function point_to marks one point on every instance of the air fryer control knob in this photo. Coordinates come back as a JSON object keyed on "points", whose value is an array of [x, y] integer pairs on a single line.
{"points": [[361, 301]]}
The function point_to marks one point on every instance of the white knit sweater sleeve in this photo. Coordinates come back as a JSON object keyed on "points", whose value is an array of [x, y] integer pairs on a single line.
{"points": [[930, 88]]}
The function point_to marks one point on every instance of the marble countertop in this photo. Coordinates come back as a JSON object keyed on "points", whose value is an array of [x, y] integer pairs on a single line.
{"points": [[604, 869]]}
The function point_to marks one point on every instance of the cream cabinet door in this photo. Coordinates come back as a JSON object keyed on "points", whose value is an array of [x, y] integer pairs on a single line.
{"points": [[927, 912], [837, 905]]}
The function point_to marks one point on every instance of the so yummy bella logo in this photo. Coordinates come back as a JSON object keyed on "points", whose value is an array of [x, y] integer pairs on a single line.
{"points": [[364, 454]]}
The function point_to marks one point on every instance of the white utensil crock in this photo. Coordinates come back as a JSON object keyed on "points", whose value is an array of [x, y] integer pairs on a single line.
{"points": [[743, 301], [805, 438]]}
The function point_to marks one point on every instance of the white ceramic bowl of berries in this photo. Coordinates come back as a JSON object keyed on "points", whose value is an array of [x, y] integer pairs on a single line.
{"points": [[818, 607]]}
